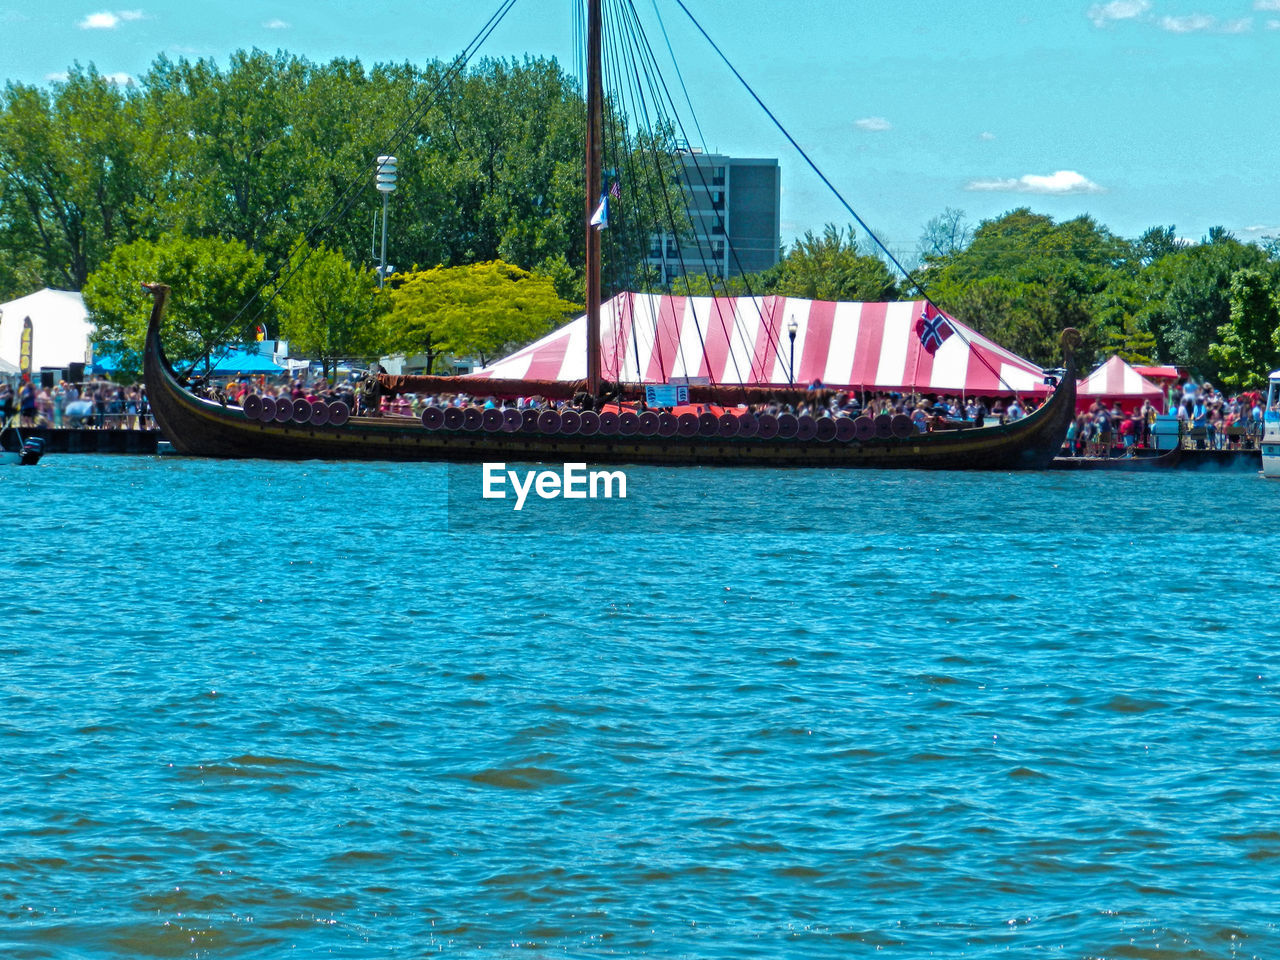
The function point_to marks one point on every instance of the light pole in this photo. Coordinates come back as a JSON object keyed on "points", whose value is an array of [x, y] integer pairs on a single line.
{"points": [[386, 184], [792, 327]]}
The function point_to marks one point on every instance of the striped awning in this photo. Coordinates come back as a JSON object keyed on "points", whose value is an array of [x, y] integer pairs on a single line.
{"points": [[650, 338], [1116, 380]]}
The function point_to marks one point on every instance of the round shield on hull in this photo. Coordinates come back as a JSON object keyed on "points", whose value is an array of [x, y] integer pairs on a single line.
{"points": [[570, 421], [708, 425], [472, 418], [491, 420], [806, 427], [668, 424], [748, 425], [825, 429], [864, 428], [432, 418], [549, 421], [845, 429], [319, 414], [902, 426], [529, 420], [788, 425], [609, 424], [301, 411], [728, 425], [339, 413], [284, 410], [512, 420], [687, 425], [252, 406], [884, 427], [454, 418], [589, 423], [766, 426], [628, 424], [649, 422], [267, 409]]}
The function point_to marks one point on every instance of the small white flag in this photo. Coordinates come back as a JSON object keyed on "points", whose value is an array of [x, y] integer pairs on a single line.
{"points": [[600, 219]]}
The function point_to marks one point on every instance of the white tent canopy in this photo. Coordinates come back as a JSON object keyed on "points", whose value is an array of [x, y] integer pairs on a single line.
{"points": [[60, 329]]}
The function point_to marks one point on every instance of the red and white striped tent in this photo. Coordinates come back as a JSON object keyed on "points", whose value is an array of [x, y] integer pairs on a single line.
{"points": [[1117, 382], [650, 338]]}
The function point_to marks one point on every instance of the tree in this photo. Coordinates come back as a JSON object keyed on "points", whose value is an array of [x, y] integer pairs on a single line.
{"points": [[1248, 346], [1188, 299], [211, 281], [330, 309], [471, 311], [73, 174], [944, 235], [831, 267]]}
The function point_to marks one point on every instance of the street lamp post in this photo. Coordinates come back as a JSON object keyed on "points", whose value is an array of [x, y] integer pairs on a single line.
{"points": [[792, 327], [386, 184]]}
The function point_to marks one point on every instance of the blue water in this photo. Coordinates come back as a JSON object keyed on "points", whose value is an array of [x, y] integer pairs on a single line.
{"points": [[258, 709]]}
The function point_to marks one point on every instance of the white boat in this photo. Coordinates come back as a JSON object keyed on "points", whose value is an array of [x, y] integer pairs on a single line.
{"points": [[1271, 429]]}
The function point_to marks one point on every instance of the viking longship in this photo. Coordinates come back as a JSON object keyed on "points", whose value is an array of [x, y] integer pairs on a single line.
{"points": [[594, 409]]}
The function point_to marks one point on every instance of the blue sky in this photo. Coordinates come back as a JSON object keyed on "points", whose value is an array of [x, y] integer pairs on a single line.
{"points": [[1138, 112]]}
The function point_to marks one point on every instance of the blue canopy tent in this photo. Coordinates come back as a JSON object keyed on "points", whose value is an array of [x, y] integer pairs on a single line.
{"points": [[245, 360]]}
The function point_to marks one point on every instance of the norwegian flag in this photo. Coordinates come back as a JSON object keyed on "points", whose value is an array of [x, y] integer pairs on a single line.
{"points": [[932, 328]]}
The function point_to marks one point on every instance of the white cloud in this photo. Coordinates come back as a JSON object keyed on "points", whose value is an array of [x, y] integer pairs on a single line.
{"points": [[986, 135], [106, 20], [1103, 13], [1204, 23], [1266, 4], [56, 77], [119, 79], [1060, 182], [1273, 24], [277, 24], [874, 124], [1261, 229]]}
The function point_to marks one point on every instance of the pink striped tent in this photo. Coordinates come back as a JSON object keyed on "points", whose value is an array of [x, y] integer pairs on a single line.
{"points": [[650, 338], [1117, 382]]}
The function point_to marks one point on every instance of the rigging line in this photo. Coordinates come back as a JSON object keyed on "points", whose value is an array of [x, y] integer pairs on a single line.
{"points": [[645, 199], [679, 75], [739, 326], [626, 162], [739, 323], [398, 137], [684, 270], [830, 186], [615, 148], [660, 186]]}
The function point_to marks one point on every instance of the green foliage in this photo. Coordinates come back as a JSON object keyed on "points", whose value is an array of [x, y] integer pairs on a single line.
{"points": [[330, 309], [474, 310], [73, 175], [1248, 347], [831, 267], [1024, 277], [826, 267], [211, 280]]}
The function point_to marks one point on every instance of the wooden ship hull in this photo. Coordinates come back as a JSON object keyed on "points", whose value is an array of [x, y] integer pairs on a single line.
{"points": [[201, 427]]}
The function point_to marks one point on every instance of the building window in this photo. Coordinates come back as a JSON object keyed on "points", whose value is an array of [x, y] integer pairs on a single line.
{"points": [[717, 176]]}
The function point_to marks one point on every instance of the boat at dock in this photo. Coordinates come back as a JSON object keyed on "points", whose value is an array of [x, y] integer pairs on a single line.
{"points": [[1271, 429], [602, 420]]}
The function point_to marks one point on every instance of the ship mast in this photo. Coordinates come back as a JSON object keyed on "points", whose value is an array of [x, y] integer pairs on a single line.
{"points": [[595, 118]]}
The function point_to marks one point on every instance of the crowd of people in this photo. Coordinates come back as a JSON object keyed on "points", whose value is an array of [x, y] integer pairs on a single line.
{"points": [[100, 405], [1206, 417]]}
